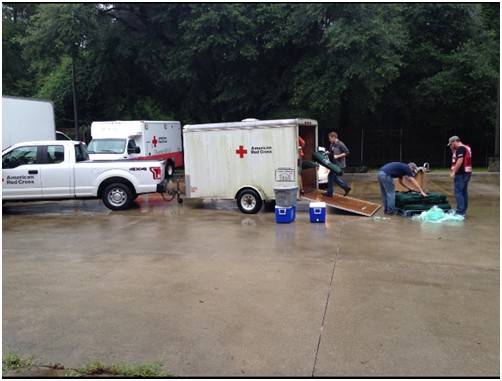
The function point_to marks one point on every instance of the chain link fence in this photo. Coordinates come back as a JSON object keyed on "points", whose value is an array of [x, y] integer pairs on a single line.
{"points": [[373, 147]]}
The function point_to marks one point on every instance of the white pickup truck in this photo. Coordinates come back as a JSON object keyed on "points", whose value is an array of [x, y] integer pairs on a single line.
{"points": [[58, 170]]}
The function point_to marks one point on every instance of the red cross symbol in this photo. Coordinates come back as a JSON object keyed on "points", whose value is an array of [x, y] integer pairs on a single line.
{"points": [[241, 151], [154, 141]]}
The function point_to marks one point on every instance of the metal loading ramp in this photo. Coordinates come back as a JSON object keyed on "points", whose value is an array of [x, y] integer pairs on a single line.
{"points": [[348, 204]]}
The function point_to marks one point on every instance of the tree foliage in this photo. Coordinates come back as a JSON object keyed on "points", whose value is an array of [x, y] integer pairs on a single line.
{"points": [[351, 66]]}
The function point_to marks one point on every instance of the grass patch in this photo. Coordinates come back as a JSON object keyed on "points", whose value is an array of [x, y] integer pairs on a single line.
{"points": [[127, 370], [12, 361]]}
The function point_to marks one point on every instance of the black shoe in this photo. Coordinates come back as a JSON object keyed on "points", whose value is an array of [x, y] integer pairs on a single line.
{"points": [[326, 194], [347, 191]]}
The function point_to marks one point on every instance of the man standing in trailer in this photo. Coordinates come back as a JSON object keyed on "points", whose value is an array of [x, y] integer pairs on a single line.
{"points": [[337, 153]]}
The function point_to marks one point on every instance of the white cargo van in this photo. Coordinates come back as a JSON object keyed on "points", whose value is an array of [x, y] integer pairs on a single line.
{"points": [[26, 119], [246, 160], [138, 139]]}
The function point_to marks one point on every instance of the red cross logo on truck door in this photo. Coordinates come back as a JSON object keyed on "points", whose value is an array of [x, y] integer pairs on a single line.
{"points": [[154, 141], [241, 151]]}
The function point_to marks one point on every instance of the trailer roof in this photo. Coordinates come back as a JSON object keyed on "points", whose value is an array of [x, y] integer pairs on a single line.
{"points": [[136, 121], [250, 124], [28, 99], [53, 142]]}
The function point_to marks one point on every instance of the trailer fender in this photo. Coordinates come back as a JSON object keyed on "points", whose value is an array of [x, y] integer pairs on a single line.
{"points": [[257, 189]]}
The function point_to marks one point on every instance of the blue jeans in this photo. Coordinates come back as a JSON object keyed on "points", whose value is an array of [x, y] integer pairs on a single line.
{"points": [[461, 195], [334, 178], [388, 192]]}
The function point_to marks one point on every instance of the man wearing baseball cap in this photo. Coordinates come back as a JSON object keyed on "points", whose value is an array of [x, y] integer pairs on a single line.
{"points": [[461, 170], [386, 176]]}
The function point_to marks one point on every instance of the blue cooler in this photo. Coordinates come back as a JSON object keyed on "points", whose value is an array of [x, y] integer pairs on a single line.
{"points": [[285, 214], [317, 212]]}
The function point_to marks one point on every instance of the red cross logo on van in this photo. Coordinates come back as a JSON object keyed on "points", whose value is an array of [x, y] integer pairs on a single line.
{"points": [[241, 151], [154, 141]]}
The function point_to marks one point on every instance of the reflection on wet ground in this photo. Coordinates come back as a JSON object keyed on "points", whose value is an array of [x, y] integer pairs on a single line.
{"points": [[211, 291]]}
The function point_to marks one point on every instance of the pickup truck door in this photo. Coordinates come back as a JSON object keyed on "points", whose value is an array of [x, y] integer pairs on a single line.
{"points": [[21, 173], [56, 172]]}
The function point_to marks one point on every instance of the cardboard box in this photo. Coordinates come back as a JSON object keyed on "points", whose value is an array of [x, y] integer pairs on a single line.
{"points": [[421, 178]]}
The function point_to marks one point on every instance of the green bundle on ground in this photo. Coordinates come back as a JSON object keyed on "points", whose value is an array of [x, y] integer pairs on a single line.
{"points": [[408, 201], [407, 198], [323, 159], [423, 207]]}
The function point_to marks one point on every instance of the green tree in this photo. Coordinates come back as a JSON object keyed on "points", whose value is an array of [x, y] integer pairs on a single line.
{"points": [[426, 68], [16, 79]]}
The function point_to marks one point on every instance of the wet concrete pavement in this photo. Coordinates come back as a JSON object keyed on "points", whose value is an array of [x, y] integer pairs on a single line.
{"points": [[209, 291]]}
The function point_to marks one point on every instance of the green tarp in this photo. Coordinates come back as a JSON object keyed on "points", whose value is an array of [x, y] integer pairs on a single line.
{"points": [[308, 164], [323, 159], [425, 206], [407, 198], [413, 201], [437, 216]]}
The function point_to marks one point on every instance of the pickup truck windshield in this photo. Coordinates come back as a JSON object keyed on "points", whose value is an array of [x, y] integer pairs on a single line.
{"points": [[116, 146]]}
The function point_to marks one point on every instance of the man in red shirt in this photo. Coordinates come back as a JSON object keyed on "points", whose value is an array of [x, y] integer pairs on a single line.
{"points": [[461, 170], [301, 154]]}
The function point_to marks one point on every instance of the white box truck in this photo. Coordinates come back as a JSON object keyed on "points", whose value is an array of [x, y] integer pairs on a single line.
{"points": [[26, 119], [138, 139], [246, 160]]}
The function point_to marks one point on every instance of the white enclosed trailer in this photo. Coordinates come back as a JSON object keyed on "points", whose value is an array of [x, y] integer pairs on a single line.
{"points": [[26, 119], [247, 160], [138, 139]]}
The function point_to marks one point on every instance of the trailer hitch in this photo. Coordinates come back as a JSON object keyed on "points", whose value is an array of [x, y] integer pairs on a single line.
{"points": [[171, 192]]}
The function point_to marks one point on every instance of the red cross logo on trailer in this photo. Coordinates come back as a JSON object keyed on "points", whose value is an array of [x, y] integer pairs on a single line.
{"points": [[154, 141], [241, 151]]}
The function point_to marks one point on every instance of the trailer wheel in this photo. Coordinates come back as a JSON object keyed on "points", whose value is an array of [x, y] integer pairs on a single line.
{"points": [[249, 201], [169, 169], [117, 196]]}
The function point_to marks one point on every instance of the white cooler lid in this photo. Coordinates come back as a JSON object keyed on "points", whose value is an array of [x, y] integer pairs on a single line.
{"points": [[317, 205]]}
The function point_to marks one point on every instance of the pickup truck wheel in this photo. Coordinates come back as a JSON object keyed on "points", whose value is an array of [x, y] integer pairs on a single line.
{"points": [[249, 201], [117, 196]]}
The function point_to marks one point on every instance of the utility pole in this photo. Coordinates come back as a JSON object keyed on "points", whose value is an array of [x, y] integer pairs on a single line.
{"points": [[401, 144], [497, 126], [74, 51], [362, 146], [74, 88], [494, 162], [445, 149]]}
